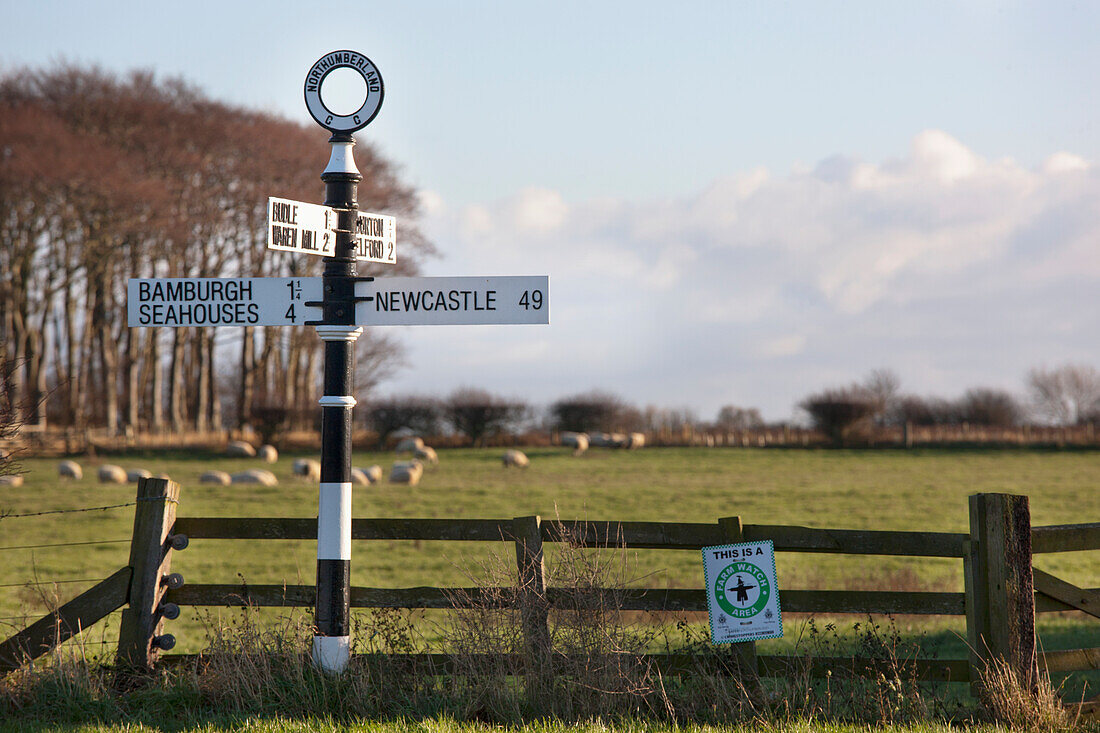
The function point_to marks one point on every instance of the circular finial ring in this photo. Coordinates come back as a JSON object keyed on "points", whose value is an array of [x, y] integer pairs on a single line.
{"points": [[367, 111]]}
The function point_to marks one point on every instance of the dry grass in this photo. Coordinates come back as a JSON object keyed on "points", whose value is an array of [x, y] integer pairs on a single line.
{"points": [[1024, 704]]}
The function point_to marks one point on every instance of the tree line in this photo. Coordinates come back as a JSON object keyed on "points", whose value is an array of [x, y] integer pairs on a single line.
{"points": [[105, 178], [1065, 395]]}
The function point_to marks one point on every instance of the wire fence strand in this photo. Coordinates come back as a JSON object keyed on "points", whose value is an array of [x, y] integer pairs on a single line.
{"points": [[67, 511], [49, 582], [63, 544]]}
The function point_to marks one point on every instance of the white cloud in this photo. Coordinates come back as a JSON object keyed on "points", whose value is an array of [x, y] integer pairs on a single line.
{"points": [[941, 260]]}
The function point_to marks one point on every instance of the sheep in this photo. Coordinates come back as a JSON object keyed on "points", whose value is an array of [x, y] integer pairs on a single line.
{"points": [[307, 468], [110, 474], [240, 449], [215, 477], [635, 441], [255, 476], [134, 474], [268, 454], [70, 469], [599, 440], [409, 445], [14, 480], [366, 476], [513, 457], [577, 441], [426, 454], [408, 472]]}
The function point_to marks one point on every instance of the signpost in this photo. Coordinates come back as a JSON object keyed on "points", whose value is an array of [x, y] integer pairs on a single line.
{"points": [[452, 301], [296, 226], [338, 304], [215, 301]]}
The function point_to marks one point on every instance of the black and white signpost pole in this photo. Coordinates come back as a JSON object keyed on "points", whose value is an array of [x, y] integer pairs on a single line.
{"points": [[332, 635], [338, 231]]}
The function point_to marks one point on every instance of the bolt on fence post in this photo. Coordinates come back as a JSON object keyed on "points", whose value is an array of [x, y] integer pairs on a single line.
{"points": [[150, 561], [1000, 592]]}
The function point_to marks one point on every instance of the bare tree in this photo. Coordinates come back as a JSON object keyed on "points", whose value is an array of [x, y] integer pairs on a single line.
{"points": [[882, 386], [104, 178], [731, 417], [415, 412], [843, 415], [1067, 395], [477, 414], [992, 407], [594, 410]]}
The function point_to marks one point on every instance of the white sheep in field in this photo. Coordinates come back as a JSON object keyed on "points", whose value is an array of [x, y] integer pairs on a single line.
{"points": [[240, 449], [268, 454], [70, 469], [513, 457], [255, 476], [307, 468], [635, 441], [577, 441], [14, 480], [110, 474], [599, 440], [406, 472], [221, 478], [426, 454], [409, 445], [135, 474], [366, 476]]}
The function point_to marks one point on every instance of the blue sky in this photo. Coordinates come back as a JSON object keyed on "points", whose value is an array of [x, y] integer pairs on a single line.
{"points": [[737, 202]]}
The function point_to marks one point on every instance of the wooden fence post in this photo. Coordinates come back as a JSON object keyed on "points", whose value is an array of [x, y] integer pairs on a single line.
{"points": [[150, 559], [1000, 595], [745, 651], [531, 568]]}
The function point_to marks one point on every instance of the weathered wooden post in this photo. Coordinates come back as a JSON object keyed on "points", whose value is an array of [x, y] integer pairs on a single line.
{"points": [[531, 572], [734, 532], [140, 639], [1000, 595]]}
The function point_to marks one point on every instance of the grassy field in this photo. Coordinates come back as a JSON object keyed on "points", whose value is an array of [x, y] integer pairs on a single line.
{"points": [[915, 490]]}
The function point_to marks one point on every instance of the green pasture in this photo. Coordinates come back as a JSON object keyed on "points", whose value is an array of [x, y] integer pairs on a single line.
{"points": [[884, 489]]}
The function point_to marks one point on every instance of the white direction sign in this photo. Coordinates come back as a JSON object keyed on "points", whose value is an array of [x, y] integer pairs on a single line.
{"points": [[742, 592], [453, 301], [296, 226], [216, 301]]}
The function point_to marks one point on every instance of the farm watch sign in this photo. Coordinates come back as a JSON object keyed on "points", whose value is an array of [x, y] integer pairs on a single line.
{"points": [[742, 592]]}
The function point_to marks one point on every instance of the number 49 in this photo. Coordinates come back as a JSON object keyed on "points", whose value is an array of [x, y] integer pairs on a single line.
{"points": [[531, 299]]}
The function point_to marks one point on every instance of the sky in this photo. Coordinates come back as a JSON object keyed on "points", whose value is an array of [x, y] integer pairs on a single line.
{"points": [[736, 202]]}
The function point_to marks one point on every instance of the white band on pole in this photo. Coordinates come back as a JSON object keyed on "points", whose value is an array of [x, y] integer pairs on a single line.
{"points": [[331, 653], [339, 333], [342, 159], [334, 522], [337, 401]]}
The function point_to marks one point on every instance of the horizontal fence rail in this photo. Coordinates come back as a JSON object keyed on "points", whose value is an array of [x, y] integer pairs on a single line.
{"points": [[642, 599], [1065, 538], [638, 535], [767, 665]]}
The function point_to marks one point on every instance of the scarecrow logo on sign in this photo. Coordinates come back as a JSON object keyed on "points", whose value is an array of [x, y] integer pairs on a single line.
{"points": [[742, 589]]}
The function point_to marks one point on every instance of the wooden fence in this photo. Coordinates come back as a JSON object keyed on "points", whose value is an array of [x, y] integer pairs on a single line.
{"points": [[1002, 591]]}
